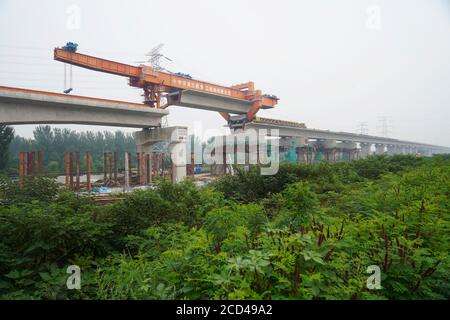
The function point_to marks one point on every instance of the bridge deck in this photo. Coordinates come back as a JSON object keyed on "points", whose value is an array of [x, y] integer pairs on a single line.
{"points": [[289, 129], [23, 106]]}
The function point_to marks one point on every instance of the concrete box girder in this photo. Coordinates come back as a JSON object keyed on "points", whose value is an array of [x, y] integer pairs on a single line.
{"points": [[327, 144], [285, 131], [171, 135], [21, 106], [211, 102], [347, 145]]}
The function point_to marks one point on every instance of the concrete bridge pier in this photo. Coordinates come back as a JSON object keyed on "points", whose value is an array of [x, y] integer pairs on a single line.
{"points": [[421, 151], [348, 150], [379, 148], [285, 144], [305, 155], [365, 149], [302, 154], [175, 136], [311, 151], [391, 150], [398, 149], [403, 149], [411, 150], [427, 152], [328, 147], [178, 152], [301, 149]]}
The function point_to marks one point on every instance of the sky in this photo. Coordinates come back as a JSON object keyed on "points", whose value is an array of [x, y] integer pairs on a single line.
{"points": [[333, 64]]}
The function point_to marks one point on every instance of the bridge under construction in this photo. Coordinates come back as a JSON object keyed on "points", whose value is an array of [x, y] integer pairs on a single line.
{"points": [[237, 104]]}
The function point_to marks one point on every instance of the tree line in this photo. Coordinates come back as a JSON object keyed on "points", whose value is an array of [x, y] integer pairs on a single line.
{"points": [[54, 142]]}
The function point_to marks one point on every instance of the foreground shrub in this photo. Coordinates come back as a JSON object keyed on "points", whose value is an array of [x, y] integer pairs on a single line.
{"points": [[31, 188], [311, 235]]}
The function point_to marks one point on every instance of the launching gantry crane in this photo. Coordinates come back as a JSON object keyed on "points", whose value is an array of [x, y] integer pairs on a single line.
{"points": [[172, 86]]}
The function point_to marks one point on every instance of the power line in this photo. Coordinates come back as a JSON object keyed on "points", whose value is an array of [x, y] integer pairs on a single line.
{"points": [[22, 56], [50, 86], [51, 75], [21, 47], [362, 128], [56, 80], [126, 53], [384, 128], [48, 64], [9, 46]]}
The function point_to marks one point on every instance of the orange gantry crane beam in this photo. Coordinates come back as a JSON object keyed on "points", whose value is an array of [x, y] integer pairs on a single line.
{"points": [[156, 83]]}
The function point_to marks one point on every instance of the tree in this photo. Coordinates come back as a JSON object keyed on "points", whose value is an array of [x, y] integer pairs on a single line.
{"points": [[6, 136], [44, 140], [54, 142]]}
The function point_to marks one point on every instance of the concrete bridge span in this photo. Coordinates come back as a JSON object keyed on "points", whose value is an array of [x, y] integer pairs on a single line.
{"points": [[331, 140], [23, 106]]}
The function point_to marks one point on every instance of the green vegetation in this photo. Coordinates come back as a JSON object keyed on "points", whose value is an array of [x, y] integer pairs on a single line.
{"points": [[309, 232], [55, 142], [6, 136]]}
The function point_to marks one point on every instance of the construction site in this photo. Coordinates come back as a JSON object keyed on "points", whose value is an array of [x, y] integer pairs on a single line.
{"points": [[223, 159], [238, 105]]}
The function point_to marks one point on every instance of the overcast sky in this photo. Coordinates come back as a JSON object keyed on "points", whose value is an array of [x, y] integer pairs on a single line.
{"points": [[333, 64]]}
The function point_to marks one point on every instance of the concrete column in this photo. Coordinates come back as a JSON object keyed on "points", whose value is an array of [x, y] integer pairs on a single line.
{"points": [[88, 171], [115, 165], [311, 151], [409, 150], [348, 150], [379, 148], [31, 162], [77, 171], [391, 150], [287, 147], [176, 137], [220, 154], [253, 158], [144, 150], [285, 144], [398, 149], [178, 156], [365, 149], [302, 154], [328, 147], [142, 168], [23, 167], [425, 152], [71, 170], [127, 171], [40, 166], [301, 149], [312, 155]]}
